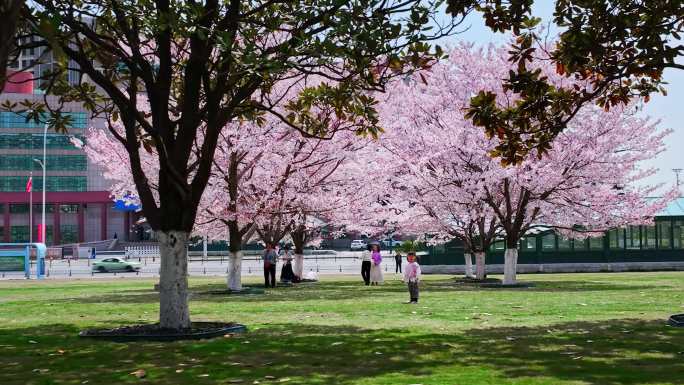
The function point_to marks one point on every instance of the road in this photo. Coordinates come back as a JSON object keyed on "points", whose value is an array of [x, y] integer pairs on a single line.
{"points": [[341, 262]]}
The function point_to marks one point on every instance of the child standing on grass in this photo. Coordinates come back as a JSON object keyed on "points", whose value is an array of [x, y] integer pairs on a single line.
{"points": [[412, 276]]}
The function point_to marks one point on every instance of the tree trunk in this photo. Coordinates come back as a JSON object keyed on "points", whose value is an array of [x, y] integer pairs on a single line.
{"points": [[10, 14], [299, 265], [480, 265], [174, 312], [234, 273], [468, 265], [298, 238], [510, 265]]}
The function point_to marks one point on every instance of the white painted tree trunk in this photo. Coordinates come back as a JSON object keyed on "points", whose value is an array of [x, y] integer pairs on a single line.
{"points": [[480, 265], [234, 273], [469, 265], [510, 265], [174, 312], [299, 265]]}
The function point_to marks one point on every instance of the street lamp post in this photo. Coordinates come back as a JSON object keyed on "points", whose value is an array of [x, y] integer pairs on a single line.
{"points": [[30, 192], [44, 179], [42, 219]]}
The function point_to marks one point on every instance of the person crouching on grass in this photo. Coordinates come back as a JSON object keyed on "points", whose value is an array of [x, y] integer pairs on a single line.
{"points": [[412, 276]]}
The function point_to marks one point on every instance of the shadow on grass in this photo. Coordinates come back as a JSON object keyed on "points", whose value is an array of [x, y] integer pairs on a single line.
{"points": [[543, 286], [330, 290], [619, 352], [344, 290], [611, 352]]}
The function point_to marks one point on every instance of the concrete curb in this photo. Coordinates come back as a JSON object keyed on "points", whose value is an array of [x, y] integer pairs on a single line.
{"points": [[563, 267]]}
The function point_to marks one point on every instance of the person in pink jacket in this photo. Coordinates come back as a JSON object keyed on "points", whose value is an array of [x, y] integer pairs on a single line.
{"points": [[412, 277], [376, 267]]}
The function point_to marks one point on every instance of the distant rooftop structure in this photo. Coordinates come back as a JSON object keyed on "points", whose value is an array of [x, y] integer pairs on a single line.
{"points": [[673, 209]]}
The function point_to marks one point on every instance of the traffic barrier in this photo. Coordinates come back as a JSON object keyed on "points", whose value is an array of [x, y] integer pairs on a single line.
{"points": [[140, 252]]}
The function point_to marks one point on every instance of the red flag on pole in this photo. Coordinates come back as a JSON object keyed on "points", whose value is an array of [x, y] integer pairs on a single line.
{"points": [[29, 184], [41, 234]]}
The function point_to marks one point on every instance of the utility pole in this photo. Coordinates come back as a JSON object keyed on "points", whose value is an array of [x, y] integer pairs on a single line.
{"points": [[29, 189], [44, 164], [42, 235], [677, 171]]}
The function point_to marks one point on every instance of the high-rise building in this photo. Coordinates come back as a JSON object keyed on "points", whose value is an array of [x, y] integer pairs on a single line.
{"points": [[78, 205], [39, 61]]}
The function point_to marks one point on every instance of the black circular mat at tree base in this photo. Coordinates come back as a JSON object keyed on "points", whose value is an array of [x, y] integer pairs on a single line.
{"points": [[474, 281], [676, 320], [245, 290], [152, 332], [500, 285]]}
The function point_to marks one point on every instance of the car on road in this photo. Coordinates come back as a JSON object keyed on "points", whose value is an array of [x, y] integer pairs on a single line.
{"points": [[358, 244], [391, 243], [115, 264]]}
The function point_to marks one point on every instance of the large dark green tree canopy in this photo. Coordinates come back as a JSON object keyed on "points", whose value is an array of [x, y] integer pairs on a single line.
{"points": [[204, 64], [10, 11], [620, 47]]}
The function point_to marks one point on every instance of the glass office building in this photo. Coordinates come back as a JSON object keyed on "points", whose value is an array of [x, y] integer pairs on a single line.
{"points": [[78, 205]]}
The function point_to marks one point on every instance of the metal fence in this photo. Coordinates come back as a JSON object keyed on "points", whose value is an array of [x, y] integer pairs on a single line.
{"points": [[212, 265]]}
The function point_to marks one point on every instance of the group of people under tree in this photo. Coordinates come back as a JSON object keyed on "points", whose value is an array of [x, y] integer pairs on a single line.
{"points": [[371, 268], [270, 257]]}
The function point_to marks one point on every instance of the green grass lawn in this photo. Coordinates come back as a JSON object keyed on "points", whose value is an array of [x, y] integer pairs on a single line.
{"points": [[567, 329]]}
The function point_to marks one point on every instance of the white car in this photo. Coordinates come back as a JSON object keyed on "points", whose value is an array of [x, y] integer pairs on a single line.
{"points": [[391, 243], [115, 264], [358, 244]]}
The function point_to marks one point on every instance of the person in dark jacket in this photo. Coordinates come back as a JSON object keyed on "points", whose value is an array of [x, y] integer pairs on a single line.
{"points": [[270, 257], [286, 273], [397, 262], [366, 265]]}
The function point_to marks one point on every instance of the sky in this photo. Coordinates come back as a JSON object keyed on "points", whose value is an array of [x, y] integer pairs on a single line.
{"points": [[668, 109]]}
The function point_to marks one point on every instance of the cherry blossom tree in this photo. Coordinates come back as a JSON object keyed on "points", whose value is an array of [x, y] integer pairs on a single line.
{"points": [[266, 176], [323, 194], [585, 184], [436, 184], [229, 207], [305, 183]]}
